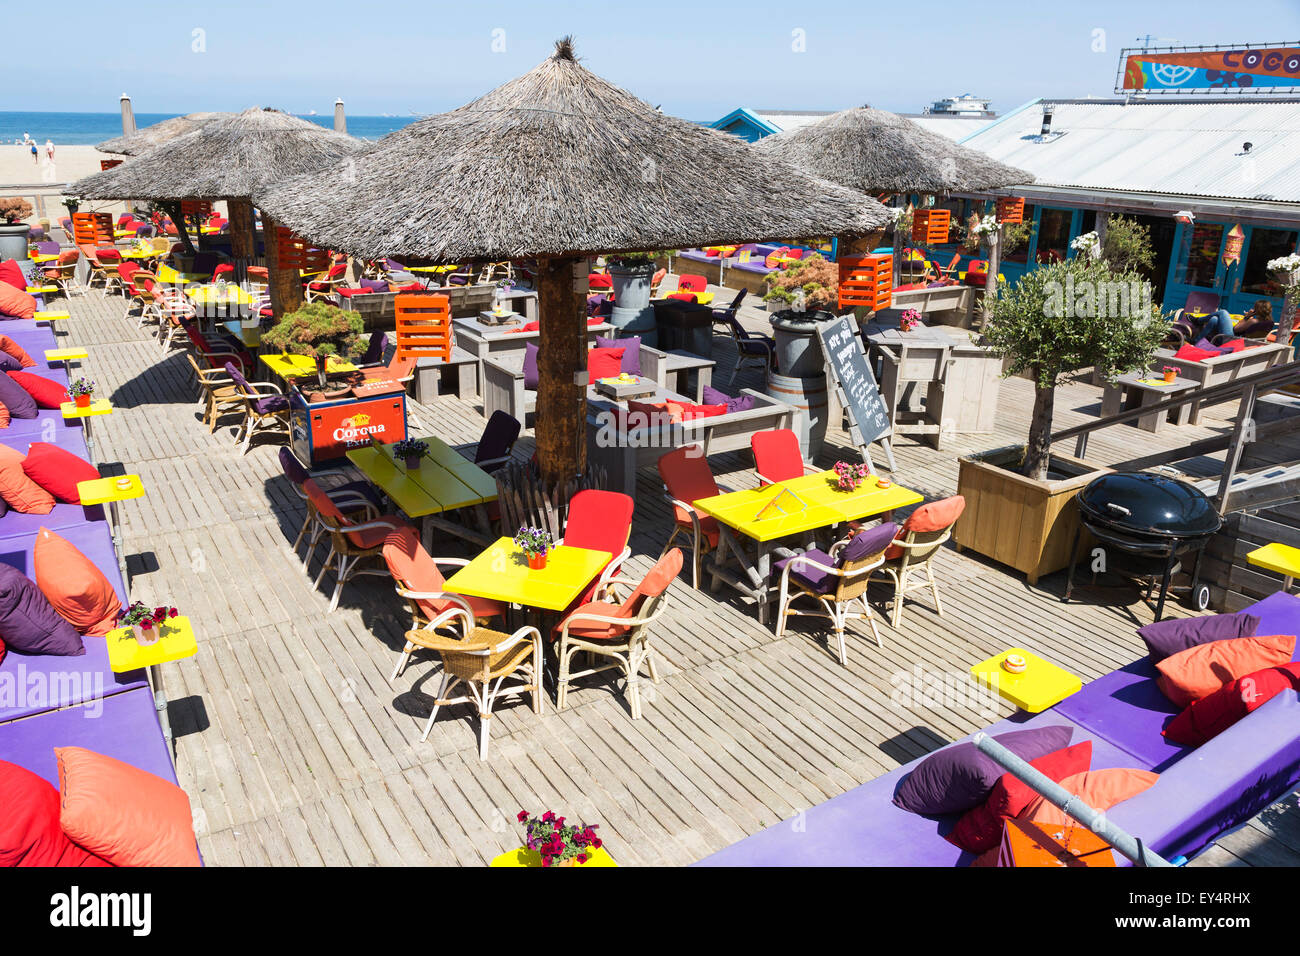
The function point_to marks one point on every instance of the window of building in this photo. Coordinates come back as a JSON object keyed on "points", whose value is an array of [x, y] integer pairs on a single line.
{"points": [[1021, 253], [1265, 244], [1054, 235]]}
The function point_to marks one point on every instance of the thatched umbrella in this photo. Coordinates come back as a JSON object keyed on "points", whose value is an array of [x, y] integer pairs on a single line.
{"points": [[560, 165], [227, 158], [150, 137]]}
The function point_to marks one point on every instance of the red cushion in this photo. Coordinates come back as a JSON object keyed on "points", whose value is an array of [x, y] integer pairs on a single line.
{"points": [[934, 516], [1236, 345], [980, 829], [690, 411], [12, 274], [15, 303], [1191, 353], [47, 392], [604, 363], [684, 296], [1210, 716], [57, 470], [30, 834]]}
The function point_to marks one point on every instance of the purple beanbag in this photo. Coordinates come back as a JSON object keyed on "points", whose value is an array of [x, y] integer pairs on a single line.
{"points": [[530, 367], [1166, 638], [741, 403], [957, 778], [28, 623], [15, 398], [631, 346]]}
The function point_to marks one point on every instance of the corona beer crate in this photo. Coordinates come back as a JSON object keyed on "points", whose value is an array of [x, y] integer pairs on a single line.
{"points": [[297, 253], [930, 226], [92, 228], [1011, 210], [423, 326], [866, 281]]}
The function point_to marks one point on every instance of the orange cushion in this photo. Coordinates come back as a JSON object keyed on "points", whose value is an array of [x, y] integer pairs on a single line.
{"points": [[47, 392], [58, 471], [123, 814], [1099, 789], [934, 516], [655, 413], [10, 347], [604, 363], [4, 415], [18, 490], [16, 303], [75, 587], [1200, 671], [591, 630]]}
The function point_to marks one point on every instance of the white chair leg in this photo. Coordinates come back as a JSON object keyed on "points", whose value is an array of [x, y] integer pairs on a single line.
{"points": [[934, 589], [402, 660], [329, 560], [442, 693], [340, 579]]}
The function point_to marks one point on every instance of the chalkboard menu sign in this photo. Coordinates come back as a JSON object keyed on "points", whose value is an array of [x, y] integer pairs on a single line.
{"points": [[847, 363]]}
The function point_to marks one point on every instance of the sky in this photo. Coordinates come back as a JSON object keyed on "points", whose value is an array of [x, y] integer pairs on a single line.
{"points": [[697, 60]]}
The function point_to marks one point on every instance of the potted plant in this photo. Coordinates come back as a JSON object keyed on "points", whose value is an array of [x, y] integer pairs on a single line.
{"points": [[534, 543], [318, 330], [81, 390], [630, 273], [13, 231], [909, 320], [146, 623], [1287, 270], [807, 291], [1170, 373], [558, 843], [850, 474], [411, 451], [1058, 318]]}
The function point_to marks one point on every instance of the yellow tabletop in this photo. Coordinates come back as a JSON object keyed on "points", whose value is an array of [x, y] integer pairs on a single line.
{"points": [[50, 316], [431, 268], [526, 857], [1281, 558], [815, 503], [443, 482], [175, 641], [65, 355], [98, 491], [100, 406], [1039, 686], [501, 573], [171, 276], [290, 366], [211, 295], [41, 289], [143, 253], [46, 257]]}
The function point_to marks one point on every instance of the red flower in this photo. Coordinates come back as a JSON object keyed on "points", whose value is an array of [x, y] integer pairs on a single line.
{"points": [[596, 844], [582, 858], [146, 625], [546, 861], [523, 815], [171, 612], [559, 822], [548, 816]]}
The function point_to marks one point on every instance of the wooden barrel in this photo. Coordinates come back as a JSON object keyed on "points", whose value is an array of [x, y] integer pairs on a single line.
{"points": [[809, 396]]}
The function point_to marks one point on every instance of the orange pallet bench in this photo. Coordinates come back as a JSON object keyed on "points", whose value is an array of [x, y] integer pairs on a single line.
{"points": [[866, 281], [423, 326]]}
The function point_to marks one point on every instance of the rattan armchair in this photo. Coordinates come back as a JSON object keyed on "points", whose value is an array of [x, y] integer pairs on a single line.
{"points": [[836, 584]]}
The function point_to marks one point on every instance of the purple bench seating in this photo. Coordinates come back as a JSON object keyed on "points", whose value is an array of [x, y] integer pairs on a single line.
{"points": [[1202, 791], [67, 434]]}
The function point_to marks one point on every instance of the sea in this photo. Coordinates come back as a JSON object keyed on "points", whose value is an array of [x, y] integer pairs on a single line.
{"points": [[67, 129]]}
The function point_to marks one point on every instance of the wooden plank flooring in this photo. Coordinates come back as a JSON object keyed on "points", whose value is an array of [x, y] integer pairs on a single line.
{"points": [[295, 748]]}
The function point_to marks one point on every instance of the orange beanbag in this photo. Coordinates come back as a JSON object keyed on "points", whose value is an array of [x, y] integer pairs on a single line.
{"points": [[47, 392], [1200, 671], [75, 587], [15, 303], [123, 814], [17, 489], [58, 471], [10, 347], [934, 516], [1099, 789]]}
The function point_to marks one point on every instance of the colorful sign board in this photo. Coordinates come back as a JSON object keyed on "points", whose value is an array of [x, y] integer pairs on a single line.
{"points": [[1232, 245], [1270, 68]]}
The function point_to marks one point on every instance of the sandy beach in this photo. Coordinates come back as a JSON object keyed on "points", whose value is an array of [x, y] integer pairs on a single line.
{"points": [[42, 183]]}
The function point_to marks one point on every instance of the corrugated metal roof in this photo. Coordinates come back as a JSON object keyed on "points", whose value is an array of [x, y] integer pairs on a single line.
{"points": [[1180, 148], [790, 119], [954, 127]]}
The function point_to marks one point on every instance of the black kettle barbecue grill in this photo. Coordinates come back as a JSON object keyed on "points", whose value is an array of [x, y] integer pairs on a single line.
{"points": [[1147, 523]]}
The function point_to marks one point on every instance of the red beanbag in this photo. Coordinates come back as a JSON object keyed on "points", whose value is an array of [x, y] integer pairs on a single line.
{"points": [[604, 363], [57, 471], [1191, 353], [47, 392], [1210, 716], [12, 274], [30, 834]]}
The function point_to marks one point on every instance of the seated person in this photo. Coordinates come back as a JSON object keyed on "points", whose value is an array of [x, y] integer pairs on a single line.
{"points": [[1257, 323]]}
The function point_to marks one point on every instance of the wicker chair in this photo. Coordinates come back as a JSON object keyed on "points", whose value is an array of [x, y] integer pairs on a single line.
{"points": [[263, 410], [351, 544], [688, 478], [914, 552], [217, 391]]}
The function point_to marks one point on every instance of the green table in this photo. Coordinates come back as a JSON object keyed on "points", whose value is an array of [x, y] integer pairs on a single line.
{"points": [[444, 482]]}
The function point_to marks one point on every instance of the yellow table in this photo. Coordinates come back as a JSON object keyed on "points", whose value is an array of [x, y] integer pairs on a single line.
{"points": [[66, 356], [176, 641], [143, 253], [286, 365], [501, 573], [787, 509], [99, 491], [51, 317], [211, 295], [1039, 686], [1280, 558], [41, 289], [97, 407], [172, 277], [526, 857], [45, 257]]}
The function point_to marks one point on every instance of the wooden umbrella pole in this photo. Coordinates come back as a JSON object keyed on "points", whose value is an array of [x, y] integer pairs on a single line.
{"points": [[243, 242], [561, 425], [285, 284]]}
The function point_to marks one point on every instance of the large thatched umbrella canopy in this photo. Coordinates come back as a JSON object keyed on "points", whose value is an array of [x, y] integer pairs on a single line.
{"points": [[876, 151], [153, 136], [561, 165]]}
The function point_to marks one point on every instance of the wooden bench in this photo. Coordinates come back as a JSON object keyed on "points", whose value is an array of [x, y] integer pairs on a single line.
{"points": [[1129, 391], [434, 377], [1223, 368]]}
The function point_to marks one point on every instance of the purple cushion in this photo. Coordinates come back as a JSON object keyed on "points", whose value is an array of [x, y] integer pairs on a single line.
{"points": [[15, 398], [374, 285], [959, 777], [1204, 345], [271, 403], [1166, 638], [530, 367], [9, 364], [631, 346], [28, 624], [1279, 614], [813, 578], [742, 403], [869, 542]]}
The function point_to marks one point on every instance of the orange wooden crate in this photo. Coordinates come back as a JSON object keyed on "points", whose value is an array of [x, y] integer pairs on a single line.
{"points": [[93, 228], [1026, 843], [108, 164], [297, 253], [423, 326], [930, 226], [1011, 210], [866, 280]]}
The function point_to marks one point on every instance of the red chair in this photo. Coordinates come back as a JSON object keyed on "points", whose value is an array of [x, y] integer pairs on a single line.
{"points": [[600, 521], [322, 286], [692, 283], [777, 456], [122, 279], [688, 478]]}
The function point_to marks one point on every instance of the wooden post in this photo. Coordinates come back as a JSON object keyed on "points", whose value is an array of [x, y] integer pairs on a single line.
{"points": [[995, 263], [561, 423], [285, 285], [243, 238]]}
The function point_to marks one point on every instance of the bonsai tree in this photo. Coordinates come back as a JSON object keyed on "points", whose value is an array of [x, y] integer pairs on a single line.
{"points": [[1066, 316], [631, 260], [317, 330], [14, 210], [818, 278]]}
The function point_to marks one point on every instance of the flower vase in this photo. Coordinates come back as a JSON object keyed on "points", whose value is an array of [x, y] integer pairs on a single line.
{"points": [[1169, 377], [82, 401], [537, 561], [145, 638], [413, 462]]}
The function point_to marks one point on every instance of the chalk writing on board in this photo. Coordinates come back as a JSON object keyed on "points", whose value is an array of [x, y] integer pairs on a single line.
{"points": [[848, 366]]}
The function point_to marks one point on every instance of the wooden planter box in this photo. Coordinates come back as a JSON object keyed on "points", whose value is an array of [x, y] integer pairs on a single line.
{"points": [[1026, 524]]}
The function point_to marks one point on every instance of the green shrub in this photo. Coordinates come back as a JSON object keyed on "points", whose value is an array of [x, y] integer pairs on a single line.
{"points": [[316, 330]]}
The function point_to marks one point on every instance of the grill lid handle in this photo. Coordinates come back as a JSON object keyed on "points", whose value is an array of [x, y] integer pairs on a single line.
{"points": [[1120, 508]]}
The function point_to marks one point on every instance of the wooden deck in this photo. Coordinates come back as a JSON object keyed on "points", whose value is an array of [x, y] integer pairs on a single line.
{"points": [[294, 747]]}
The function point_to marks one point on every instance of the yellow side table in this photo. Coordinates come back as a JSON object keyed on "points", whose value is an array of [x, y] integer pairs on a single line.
{"points": [[1039, 686], [43, 316], [66, 356], [526, 857], [1280, 558], [41, 289], [109, 491], [71, 410], [175, 642]]}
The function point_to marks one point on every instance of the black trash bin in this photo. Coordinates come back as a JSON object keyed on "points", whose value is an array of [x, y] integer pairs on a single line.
{"points": [[684, 327]]}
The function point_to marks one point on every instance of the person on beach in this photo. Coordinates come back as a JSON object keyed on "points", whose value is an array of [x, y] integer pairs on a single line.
{"points": [[49, 149], [36, 157]]}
